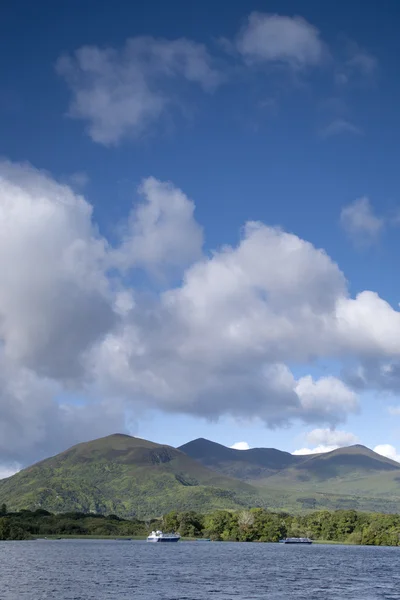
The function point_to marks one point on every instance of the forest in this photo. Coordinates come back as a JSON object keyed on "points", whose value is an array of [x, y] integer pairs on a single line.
{"points": [[254, 525]]}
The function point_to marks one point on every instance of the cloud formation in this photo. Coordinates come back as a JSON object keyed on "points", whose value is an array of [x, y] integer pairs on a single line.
{"points": [[88, 341], [326, 440], [276, 38], [387, 450], [123, 92], [240, 446], [357, 65], [119, 92], [360, 223], [339, 127], [150, 239]]}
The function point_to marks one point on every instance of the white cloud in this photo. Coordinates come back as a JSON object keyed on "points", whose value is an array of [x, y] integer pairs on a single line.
{"points": [[394, 410], [120, 92], [53, 282], [387, 450], [150, 239], [73, 326], [8, 470], [276, 38], [326, 440], [338, 127], [331, 437], [326, 396], [360, 222], [316, 450], [240, 446]]}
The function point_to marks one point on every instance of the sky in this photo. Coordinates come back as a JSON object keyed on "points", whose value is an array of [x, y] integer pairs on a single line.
{"points": [[199, 224]]}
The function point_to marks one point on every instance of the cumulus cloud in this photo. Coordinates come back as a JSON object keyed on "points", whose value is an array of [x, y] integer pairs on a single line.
{"points": [[331, 437], [150, 239], [326, 440], [240, 446], [119, 92], [275, 38], [387, 450], [82, 348], [360, 222], [53, 281]]}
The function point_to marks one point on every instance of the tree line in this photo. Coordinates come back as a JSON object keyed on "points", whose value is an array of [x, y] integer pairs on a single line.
{"points": [[254, 525]]}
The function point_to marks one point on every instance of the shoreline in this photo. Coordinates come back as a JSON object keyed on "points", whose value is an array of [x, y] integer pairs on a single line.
{"points": [[183, 539]]}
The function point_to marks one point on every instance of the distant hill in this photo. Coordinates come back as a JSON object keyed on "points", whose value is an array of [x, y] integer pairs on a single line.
{"points": [[132, 477], [123, 475], [248, 465], [270, 466]]}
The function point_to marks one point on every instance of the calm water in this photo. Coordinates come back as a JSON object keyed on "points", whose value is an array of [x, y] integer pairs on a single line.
{"points": [[99, 570]]}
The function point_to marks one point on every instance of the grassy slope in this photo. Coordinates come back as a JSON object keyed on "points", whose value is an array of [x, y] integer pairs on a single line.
{"points": [[353, 477], [332, 469], [133, 477], [124, 475]]}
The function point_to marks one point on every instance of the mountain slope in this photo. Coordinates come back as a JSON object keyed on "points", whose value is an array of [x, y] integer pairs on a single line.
{"points": [[274, 468], [123, 475], [354, 471], [134, 477], [248, 465], [333, 468]]}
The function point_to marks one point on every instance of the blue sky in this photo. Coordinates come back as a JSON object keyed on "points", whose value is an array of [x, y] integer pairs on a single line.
{"points": [[256, 112]]}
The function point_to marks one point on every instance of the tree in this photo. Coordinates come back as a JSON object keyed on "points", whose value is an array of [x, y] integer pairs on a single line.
{"points": [[3, 509]]}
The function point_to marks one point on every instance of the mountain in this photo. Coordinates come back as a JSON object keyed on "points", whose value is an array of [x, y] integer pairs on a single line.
{"points": [[351, 470], [352, 477], [253, 464], [133, 477], [268, 465], [123, 475]]}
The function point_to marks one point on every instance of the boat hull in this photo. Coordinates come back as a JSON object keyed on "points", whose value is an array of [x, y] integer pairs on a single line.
{"points": [[303, 543], [163, 540]]}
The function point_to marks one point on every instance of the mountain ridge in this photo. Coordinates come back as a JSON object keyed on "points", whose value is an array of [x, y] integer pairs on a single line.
{"points": [[133, 477], [124, 475]]}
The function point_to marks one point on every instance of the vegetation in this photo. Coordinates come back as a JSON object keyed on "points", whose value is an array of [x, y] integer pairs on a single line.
{"points": [[254, 525], [26, 524], [126, 476], [134, 478]]}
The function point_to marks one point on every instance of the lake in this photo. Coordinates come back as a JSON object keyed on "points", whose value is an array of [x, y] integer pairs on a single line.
{"points": [[105, 569]]}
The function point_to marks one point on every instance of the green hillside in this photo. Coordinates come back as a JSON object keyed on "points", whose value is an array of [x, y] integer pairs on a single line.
{"points": [[339, 471], [132, 477], [123, 475], [353, 477], [355, 469]]}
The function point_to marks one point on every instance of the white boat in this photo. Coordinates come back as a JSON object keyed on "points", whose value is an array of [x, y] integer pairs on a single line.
{"points": [[159, 536], [293, 540]]}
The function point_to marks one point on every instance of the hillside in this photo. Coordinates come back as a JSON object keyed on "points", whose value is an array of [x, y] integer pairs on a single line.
{"points": [[352, 477], [123, 475], [268, 466], [132, 477], [344, 464], [247, 465]]}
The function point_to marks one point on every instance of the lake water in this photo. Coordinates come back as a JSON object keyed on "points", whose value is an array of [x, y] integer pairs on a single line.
{"points": [[102, 570]]}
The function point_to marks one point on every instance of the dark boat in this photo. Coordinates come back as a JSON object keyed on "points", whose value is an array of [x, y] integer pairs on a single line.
{"points": [[294, 540]]}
